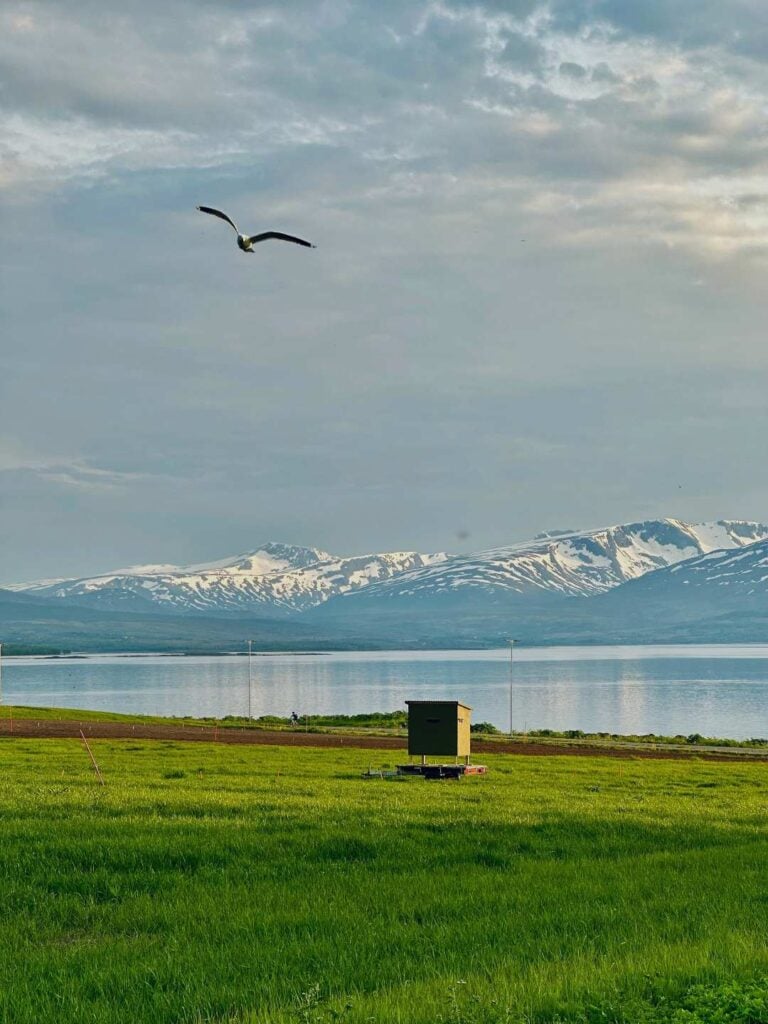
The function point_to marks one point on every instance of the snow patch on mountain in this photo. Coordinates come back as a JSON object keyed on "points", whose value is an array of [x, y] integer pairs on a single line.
{"points": [[746, 570], [576, 564], [286, 579], [274, 577]]}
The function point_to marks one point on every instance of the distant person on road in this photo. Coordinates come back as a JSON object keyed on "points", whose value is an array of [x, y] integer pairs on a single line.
{"points": [[294, 718]]}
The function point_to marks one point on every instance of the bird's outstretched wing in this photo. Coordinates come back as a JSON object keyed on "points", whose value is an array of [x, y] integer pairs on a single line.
{"points": [[279, 234], [218, 213]]}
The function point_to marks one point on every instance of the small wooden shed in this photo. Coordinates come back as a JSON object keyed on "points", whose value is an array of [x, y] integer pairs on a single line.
{"points": [[438, 728]]}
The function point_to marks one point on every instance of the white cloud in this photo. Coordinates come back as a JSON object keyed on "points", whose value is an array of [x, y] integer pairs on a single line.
{"points": [[594, 107], [68, 471], [38, 150]]}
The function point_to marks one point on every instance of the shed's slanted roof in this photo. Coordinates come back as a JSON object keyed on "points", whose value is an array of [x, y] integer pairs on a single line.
{"points": [[458, 703]]}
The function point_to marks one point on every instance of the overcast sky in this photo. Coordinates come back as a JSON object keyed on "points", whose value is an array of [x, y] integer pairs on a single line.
{"points": [[538, 300]]}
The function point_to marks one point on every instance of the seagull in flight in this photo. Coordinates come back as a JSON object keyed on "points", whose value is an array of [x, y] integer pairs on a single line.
{"points": [[247, 242]]}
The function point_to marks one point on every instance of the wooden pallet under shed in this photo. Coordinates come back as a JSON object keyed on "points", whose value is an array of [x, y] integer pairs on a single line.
{"points": [[442, 771]]}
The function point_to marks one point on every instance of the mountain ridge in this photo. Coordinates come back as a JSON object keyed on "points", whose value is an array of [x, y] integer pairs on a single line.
{"points": [[281, 578], [580, 563], [715, 581], [420, 595]]}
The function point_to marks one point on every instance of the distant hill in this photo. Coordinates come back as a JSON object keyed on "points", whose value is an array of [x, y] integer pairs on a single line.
{"points": [[716, 595], [543, 587], [30, 623], [274, 580], [654, 581]]}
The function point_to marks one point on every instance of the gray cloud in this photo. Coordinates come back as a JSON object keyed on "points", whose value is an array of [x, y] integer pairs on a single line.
{"points": [[542, 246]]}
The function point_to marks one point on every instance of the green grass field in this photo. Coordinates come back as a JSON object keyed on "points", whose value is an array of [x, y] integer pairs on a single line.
{"points": [[231, 884]]}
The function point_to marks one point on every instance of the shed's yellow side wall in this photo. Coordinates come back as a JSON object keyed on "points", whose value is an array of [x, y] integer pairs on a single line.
{"points": [[464, 726]]}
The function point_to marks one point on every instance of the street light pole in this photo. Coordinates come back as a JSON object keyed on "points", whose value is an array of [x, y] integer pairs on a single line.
{"points": [[250, 679], [511, 681]]}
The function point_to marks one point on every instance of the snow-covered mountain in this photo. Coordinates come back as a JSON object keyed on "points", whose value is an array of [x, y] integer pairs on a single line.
{"points": [[715, 580], [280, 578], [567, 564], [283, 579], [717, 597]]}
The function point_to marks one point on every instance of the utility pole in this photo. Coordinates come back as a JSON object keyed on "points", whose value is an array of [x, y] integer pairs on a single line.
{"points": [[511, 681], [250, 680]]}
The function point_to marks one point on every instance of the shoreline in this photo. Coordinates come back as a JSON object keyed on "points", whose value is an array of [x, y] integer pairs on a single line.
{"points": [[57, 728], [682, 649]]}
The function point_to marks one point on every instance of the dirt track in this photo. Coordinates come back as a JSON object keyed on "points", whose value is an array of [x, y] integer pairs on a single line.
{"points": [[25, 728]]}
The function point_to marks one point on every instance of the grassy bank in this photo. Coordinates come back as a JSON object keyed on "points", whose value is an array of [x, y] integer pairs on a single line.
{"points": [[384, 723], [394, 722], [220, 884]]}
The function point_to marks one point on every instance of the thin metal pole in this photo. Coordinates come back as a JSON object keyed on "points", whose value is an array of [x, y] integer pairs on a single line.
{"points": [[511, 681], [250, 679]]}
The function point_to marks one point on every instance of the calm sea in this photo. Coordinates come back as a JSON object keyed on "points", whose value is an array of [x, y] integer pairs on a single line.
{"points": [[715, 690]]}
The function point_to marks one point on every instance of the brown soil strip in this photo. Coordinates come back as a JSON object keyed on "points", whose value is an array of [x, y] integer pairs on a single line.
{"points": [[27, 728]]}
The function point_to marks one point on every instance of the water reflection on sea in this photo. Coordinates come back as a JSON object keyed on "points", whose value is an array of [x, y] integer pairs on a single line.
{"points": [[715, 690]]}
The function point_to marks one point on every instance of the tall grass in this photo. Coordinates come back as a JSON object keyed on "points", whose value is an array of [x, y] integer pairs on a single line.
{"points": [[220, 884]]}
